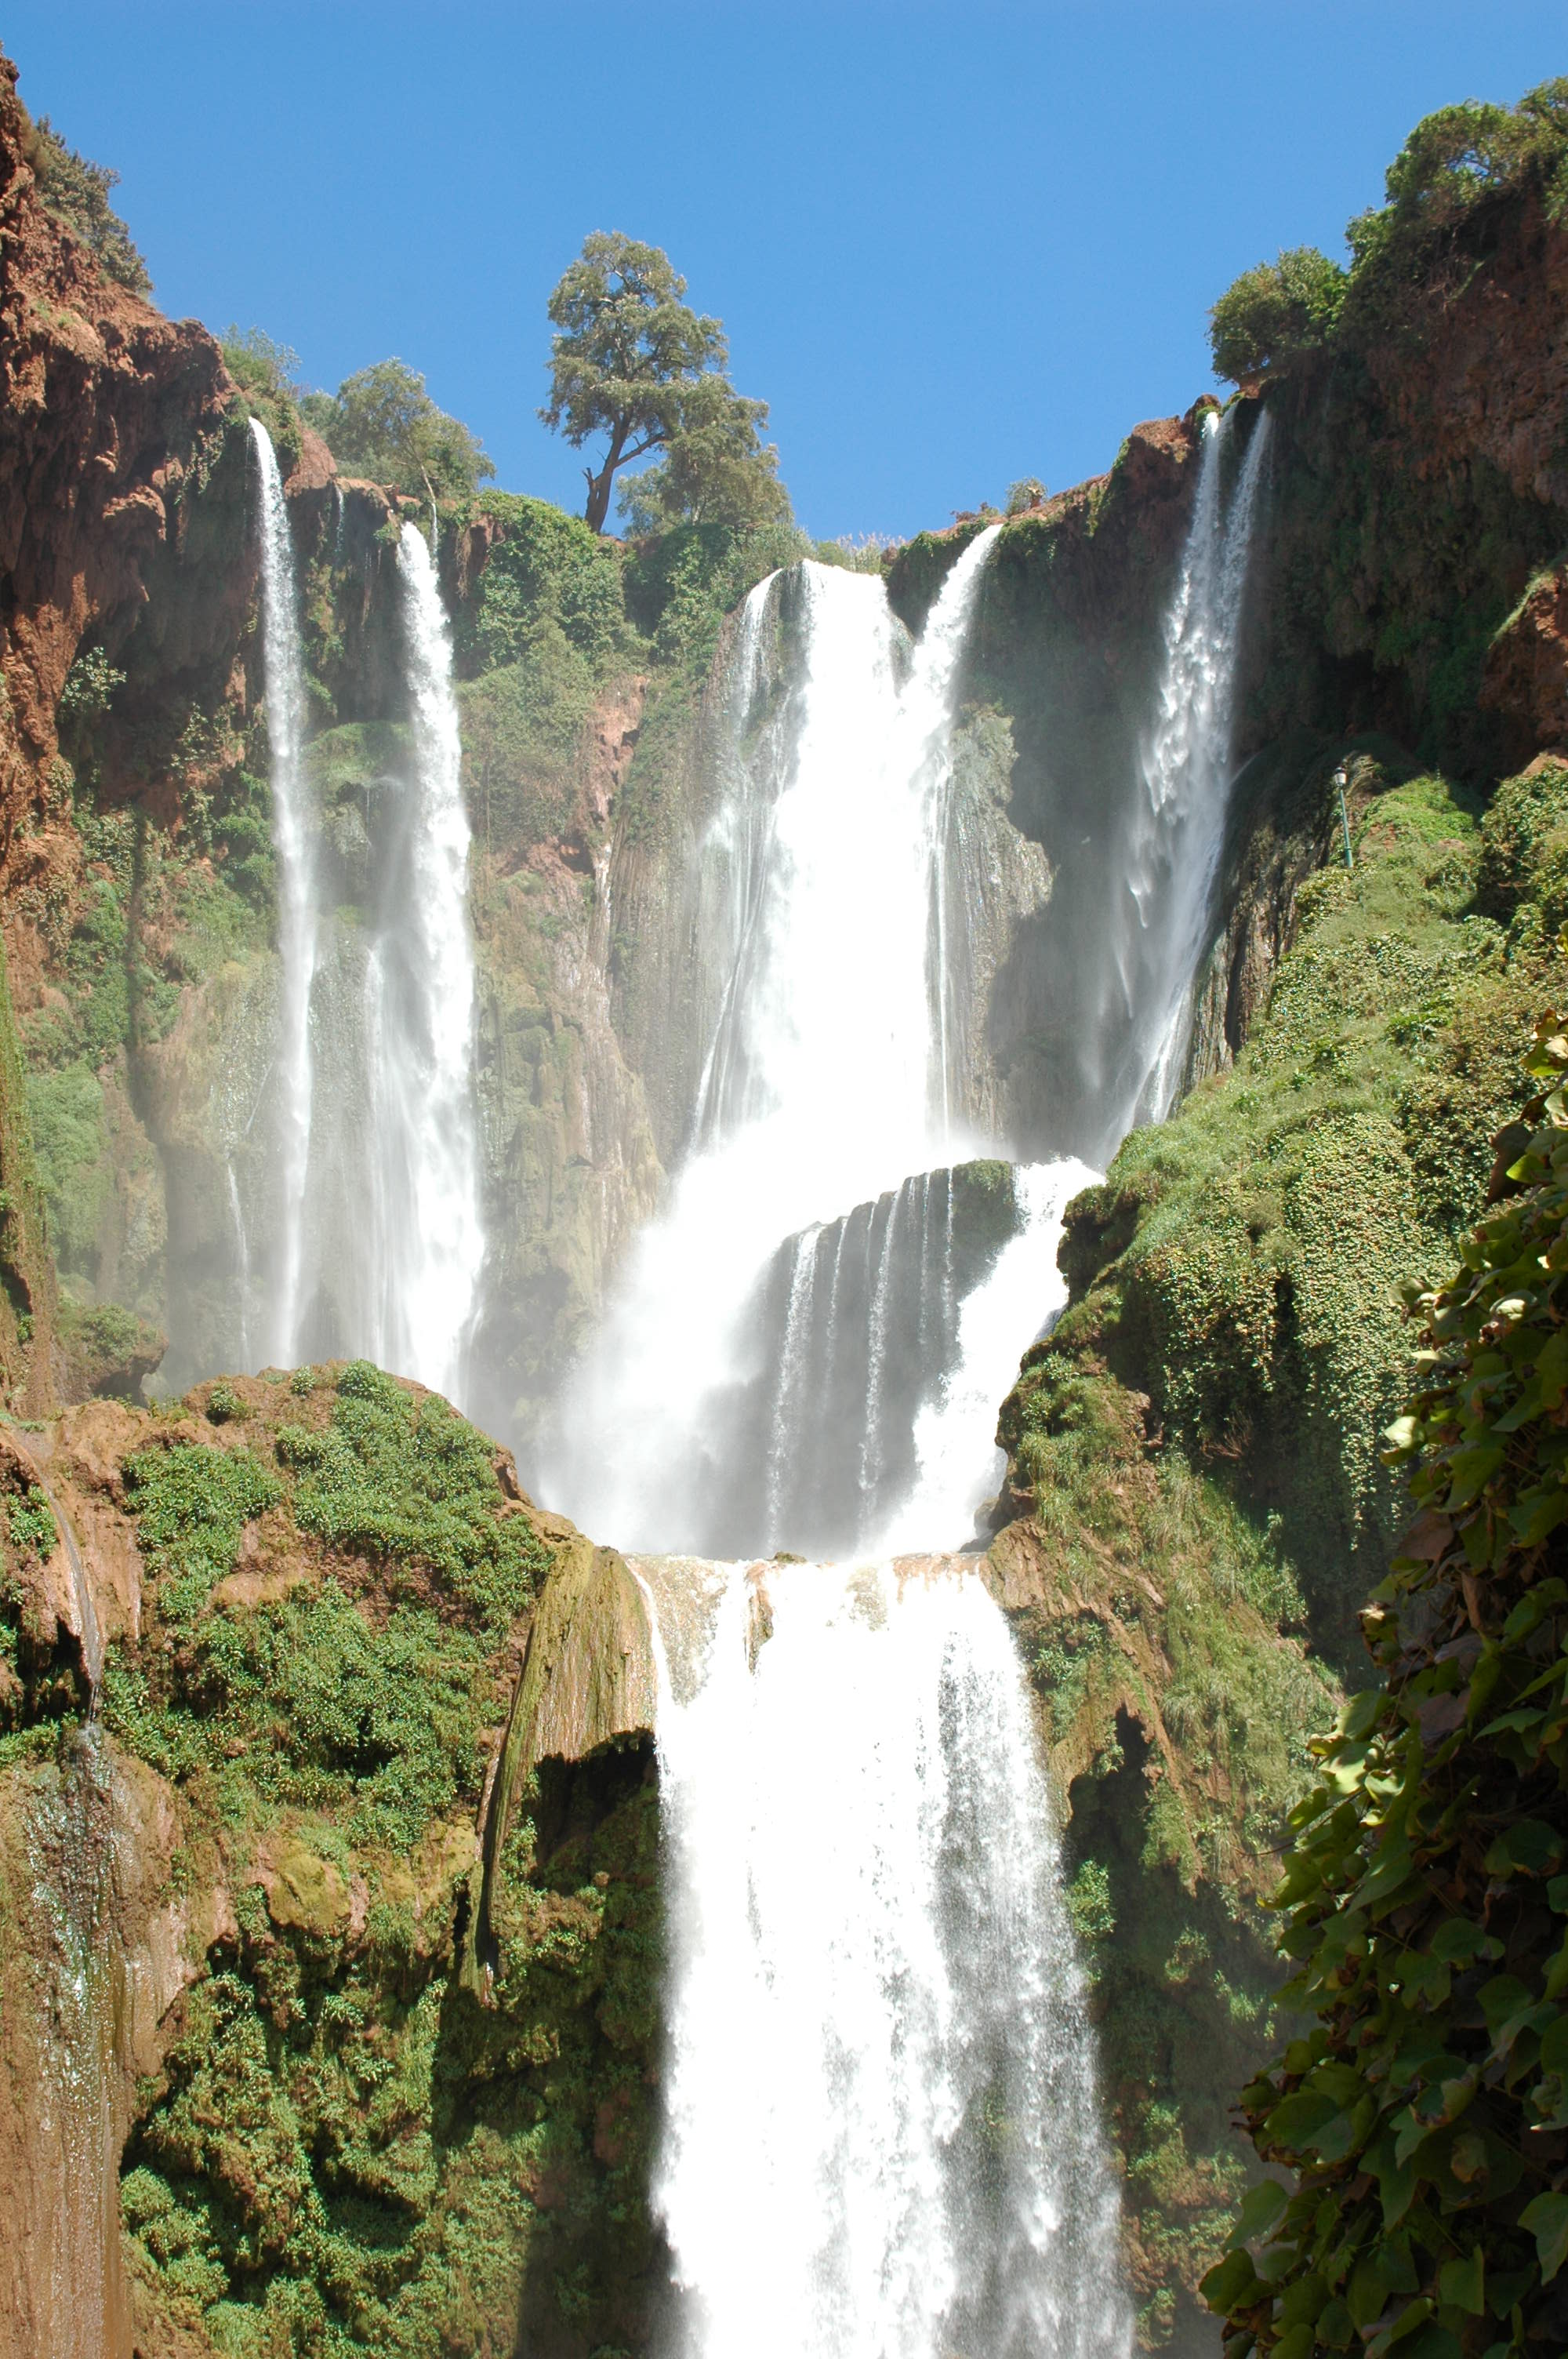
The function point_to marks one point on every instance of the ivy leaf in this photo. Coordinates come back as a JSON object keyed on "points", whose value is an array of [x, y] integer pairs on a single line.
{"points": [[1229, 2282], [1528, 1848], [1261, 2207], [1462, 2284], [1547, 2220]]}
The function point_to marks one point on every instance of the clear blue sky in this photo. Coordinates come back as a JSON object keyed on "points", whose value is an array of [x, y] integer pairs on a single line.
{"points": [[952, 245]]}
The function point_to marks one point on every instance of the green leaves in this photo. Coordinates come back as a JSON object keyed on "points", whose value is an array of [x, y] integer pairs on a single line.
{"points": [[1547, 2220], [1428, 2114]]}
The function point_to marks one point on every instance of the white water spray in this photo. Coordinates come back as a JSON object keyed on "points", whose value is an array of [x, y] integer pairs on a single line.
{"points": [[297, 884], [959, 1463], [826, 1082], [882, 2138], [1180, 832]]}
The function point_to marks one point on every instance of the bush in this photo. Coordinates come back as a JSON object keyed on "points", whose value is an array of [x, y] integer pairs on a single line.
{"points": [[1275, 312], [544, 567], [1423, 2118], [1413, 253]]}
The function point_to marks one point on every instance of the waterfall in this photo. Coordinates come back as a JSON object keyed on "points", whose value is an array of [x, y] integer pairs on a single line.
{"points": [[1179, 827], [882, 2138], [425, 1243], [827, 1081], [296, 928], [958, 1465]]}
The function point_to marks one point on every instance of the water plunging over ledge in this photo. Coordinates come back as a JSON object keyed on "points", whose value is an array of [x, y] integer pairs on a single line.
{"points": [[883, 2131], [293, 838], [374, 1221]]}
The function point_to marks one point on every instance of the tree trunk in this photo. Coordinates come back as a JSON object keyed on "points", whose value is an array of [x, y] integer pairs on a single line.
{"points": [[599, 485], [598, 506]]}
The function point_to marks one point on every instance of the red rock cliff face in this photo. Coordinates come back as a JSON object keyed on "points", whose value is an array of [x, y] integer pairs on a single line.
{"points": [[105, 409]]}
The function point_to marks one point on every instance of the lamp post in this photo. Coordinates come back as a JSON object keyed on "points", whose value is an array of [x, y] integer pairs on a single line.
{"points": [[1341, 780]]}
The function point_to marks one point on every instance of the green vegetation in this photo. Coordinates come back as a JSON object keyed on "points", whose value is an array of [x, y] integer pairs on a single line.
{"points": [[1272, 314], [77, 192], [382, 424], [1214, 1272], [1411, 255], [1195, 1449], [1160, 1628], [358, 2141], [716, 469], [629, 360], [407, 1482], [1422, 2118]]}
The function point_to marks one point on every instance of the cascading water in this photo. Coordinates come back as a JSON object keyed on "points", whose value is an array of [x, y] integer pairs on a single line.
{"points": [[297, 896], [882, 2138], [1179, 825], [827, 1080], [425, 1243], [373, 1221]]}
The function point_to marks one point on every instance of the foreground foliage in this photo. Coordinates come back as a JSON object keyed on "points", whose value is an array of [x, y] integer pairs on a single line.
{"points": [[1424, 2114]]}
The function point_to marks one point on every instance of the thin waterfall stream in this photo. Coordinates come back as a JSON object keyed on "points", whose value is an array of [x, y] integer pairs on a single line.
{"points": [[293, 838], [379, 1241]]}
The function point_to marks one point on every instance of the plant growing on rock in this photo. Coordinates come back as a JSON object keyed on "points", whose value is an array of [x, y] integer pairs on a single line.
{"points": [[76, 192], [1275, 312], [1424, 2118]]}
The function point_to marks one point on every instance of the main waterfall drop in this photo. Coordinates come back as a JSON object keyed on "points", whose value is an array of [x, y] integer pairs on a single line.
{"points": [[882, 2135], [296, 928], [829, 1084]]}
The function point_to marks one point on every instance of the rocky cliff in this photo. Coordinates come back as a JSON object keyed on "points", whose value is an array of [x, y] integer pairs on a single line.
{"points": [[342, 2004]]}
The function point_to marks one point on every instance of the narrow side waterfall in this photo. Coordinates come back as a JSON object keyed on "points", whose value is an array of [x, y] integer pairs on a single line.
{"points": [[882, 2136], [297, 897], [827, 1082], [1179, 830], [425, 1240]]}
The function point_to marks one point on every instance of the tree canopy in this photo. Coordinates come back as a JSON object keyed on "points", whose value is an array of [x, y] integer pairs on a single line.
{"points": [[1420, 2119], [380, 423], [714, 470], [1275, 311], [632, 360]]}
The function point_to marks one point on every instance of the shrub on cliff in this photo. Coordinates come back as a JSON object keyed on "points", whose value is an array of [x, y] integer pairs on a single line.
{"points": [[1275, 312], [1423, 2118], [76, 192], [1410, 256]]}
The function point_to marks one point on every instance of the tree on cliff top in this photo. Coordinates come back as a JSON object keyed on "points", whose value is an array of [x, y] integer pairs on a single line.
{"points": [[1274, 312], [1410, 256], [1421, 2120], [632, 360], [382, 424], [77, 192]]}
